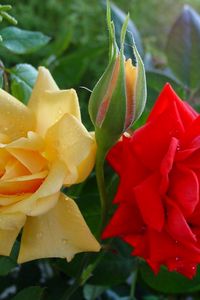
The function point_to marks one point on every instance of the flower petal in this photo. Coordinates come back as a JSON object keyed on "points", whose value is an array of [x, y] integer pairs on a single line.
{"points": [[10, 226], [15, 118], [50, 186], [71, 143], [22, 184], [184, 189], [166, 99], [14, 169], [32, 142], [44, 82], [53, 105], [150, 203], [62, 232], [177, 225], [49, 103], [86, 166], [156, 136], [32, 160]]}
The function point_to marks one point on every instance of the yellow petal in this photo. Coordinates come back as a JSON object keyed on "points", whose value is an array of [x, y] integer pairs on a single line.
{"points": [[14, 169], [32, 142], [10, 226], [12, 221], [62, 232], [53, 105], [22, 184], [42, 205], [15, 118], [32, 160], [4, 158], [70, 142], [131, 76], [86, 166], [43, 83], [10, 199], [50, 187]]}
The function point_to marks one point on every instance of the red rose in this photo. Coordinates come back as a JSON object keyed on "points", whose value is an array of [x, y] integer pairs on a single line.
{"points": [[158, 209]]}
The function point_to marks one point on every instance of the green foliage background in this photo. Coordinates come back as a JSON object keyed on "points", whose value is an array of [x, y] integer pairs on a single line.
{"points": [[77, 56]]}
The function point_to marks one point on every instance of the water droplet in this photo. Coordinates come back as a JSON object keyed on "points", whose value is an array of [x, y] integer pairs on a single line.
{"points": [[178, 148], [6, 128], [65, 241], [176, 242], [39, 235], [177, 258], [193, 268]]}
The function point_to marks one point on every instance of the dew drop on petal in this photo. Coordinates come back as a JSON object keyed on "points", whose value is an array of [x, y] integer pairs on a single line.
{"points": [[65, 241], [39, 235]]}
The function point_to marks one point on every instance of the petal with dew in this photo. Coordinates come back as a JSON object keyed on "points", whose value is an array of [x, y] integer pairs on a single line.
{"points": [[70, 142], [32, 142], [62, 232], [52, 105], [15, 118]]}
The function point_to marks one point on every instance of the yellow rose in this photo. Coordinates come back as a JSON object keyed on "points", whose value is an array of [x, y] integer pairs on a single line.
{"points": [[43, 146]]}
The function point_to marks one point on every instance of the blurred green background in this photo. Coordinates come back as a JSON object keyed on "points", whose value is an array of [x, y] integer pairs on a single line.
{"points": [[77, 53]]}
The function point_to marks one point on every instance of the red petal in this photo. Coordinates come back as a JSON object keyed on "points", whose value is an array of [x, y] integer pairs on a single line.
{"points": [[151, 142], [177, 225], [130, 169], [114, 157], [165, 100], [184, 189], [191, 133], [126, 220], [166, 165], [149, 202]]}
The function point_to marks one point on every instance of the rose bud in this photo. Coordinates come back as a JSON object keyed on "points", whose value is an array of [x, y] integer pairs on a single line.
{"points": [[119, 97]]}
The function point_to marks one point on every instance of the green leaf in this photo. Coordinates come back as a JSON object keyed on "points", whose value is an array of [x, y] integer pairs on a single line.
{"points": [[19, 41], [183, 47], [119, 17], [115, 266], [156, 81], [23, 77], [73, 66], [30, 293], [93, 291], [169, 282], [6, 265]]}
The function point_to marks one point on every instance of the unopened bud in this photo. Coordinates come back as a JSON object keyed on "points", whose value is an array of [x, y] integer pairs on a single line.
{"points": [[119, 97]]}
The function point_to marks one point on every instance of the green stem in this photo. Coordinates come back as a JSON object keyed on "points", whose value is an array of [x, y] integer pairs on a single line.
{"points": [[77, 282], [134, 281], [100, 158], [86, 268]]}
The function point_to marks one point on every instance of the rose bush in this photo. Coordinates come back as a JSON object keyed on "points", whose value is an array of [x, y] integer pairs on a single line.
{"points": [[43, 146], [158, 207]]}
